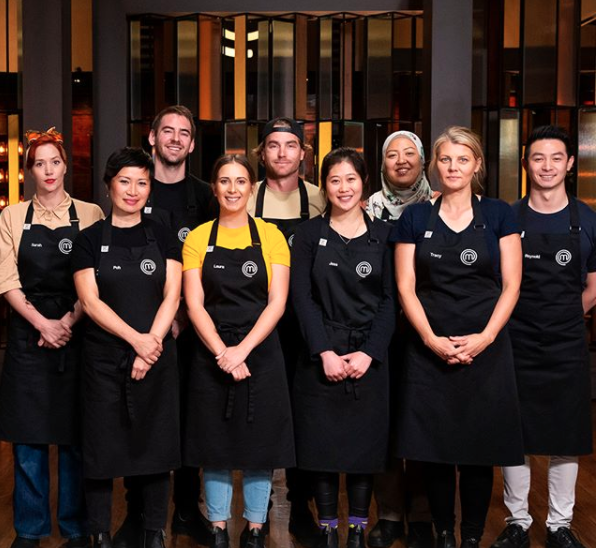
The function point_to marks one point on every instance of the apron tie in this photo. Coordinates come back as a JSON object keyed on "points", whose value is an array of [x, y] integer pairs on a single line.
{"points": [[62, 360], [126, 366], [230, 401], [352, 386], [250, 416]]}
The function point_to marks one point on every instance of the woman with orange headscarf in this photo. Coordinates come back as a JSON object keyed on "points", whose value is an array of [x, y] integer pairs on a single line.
{"points": [[39, 387]]}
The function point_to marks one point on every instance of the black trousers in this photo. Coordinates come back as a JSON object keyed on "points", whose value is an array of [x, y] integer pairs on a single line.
{"points": [[154, 490], [358, 487], [475, 489]]}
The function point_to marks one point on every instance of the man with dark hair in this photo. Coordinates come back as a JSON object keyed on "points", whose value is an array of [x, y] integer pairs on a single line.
{"points": [[549, 340], [286, 200], [181, 201]]}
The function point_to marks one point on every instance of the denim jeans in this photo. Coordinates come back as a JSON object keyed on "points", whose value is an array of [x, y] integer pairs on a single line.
{"points": [[31, 497], [256, 488]]}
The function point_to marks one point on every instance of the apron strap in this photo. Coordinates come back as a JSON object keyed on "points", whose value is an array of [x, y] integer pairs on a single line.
{"points": [[74, 219], [252, 226], [148, 209], [478, 217]]}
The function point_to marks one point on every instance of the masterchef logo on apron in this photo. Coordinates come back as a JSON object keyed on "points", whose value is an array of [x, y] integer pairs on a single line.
{"points": [[65, 246], [291, 240], [148, 267], [249, 269], [183, 233], [363, 269], [563, 257], [468, 256]]}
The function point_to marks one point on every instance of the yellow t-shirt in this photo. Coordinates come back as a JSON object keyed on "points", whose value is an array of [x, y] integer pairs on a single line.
{"points": [[273, 244]]}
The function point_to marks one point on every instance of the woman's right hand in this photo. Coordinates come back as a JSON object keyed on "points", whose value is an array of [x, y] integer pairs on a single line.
{"points": [[148, 347], [444, 348], [241, 372], [333, 366], [54, 333]]}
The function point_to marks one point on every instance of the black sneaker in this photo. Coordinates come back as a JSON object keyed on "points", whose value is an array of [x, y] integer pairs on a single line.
{"points": [[218, 538], [445, 540], [513, 536], [246, 531], [255, 538], [130, 532], [328, 538], [470, 543], [562, 538], [355, 537], [420, 535], [385, 533], [154, 539], [102, 540], [191, 524]]}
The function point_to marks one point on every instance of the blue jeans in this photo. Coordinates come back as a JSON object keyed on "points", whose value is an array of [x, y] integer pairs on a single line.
{"points": [[31, 497], [256, 488]]}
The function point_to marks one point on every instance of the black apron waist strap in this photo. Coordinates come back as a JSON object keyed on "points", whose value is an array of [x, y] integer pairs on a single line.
{"points": [[126, 366], [231, 400]]}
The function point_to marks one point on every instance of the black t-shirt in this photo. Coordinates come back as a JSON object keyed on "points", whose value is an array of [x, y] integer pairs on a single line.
{"points": [[87, 246], [173, 197]]}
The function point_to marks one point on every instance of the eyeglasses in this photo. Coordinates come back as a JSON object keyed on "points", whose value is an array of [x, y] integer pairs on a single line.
{"points": [[32, 135]]}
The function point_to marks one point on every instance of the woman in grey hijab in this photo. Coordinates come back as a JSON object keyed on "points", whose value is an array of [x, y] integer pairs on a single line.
{"points": [[402, 176], [400, 492]]}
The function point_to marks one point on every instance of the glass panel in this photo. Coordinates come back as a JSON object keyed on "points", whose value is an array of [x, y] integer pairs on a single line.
{"points": [[240, 67], [509, 156], [187, 64], [540, 55], [586, 157], [210, 95], [14, 35], [227, 66], [378, 80], [301, 30], [136, 94], [403, 80], [263, 72], [325, 69], [347, 77], [354, 135], [282, 80], [235, 138], [3, 36], [511, 53], [479, 54], [587, 82], [567, 58]]}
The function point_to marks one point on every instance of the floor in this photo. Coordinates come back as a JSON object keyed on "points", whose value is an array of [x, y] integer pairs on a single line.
{"points": [[584, 522]]}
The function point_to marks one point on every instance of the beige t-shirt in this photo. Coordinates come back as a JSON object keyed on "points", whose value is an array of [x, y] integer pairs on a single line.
{"points": [[286, 205], [11, 230]]}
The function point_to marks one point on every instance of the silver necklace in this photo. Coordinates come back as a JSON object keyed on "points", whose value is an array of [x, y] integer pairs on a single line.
{"points": [[345, 240]]}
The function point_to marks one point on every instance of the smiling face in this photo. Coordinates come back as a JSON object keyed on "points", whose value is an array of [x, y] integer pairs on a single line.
{"points": [[402, 163], [232, 187], [129, 190], [456, 166], [172, 140], [282, 155], [48, 169], [547, 164], [344, 187]]}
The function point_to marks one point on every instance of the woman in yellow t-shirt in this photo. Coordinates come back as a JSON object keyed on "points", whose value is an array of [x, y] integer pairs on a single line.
{"points": [[236, 276]]}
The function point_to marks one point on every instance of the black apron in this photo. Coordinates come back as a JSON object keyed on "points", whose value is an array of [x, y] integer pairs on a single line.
{"points": [[130, 427], [182, 225], [288, 328], [549, 343], [344, 426], [247, 424], [40, 387], [458, 414]]}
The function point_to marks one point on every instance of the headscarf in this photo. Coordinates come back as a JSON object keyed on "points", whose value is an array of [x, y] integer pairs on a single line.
{"points": [[395, 199]]}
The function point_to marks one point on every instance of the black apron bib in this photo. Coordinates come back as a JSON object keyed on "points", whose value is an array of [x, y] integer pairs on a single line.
{"points": [[246, 424], [130, 427], [288, 328], [463, 414], [549, 343], [40, 387], [344, 426], [183, 224]]}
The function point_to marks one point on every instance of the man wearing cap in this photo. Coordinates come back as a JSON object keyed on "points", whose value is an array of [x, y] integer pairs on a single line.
{"points": [[182, 202], [286, 200]]}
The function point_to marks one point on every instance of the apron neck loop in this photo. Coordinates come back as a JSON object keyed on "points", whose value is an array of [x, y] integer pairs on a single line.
{"points": [[304, 209]]}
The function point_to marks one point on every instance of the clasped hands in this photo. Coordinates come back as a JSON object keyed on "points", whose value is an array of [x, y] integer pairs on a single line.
{"points": [[148, 347], [232, 360], [55, 333], [337, 368], [459, 350]]}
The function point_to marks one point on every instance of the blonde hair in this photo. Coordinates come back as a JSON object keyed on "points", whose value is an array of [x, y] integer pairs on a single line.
{"points": [[459, 135]]}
